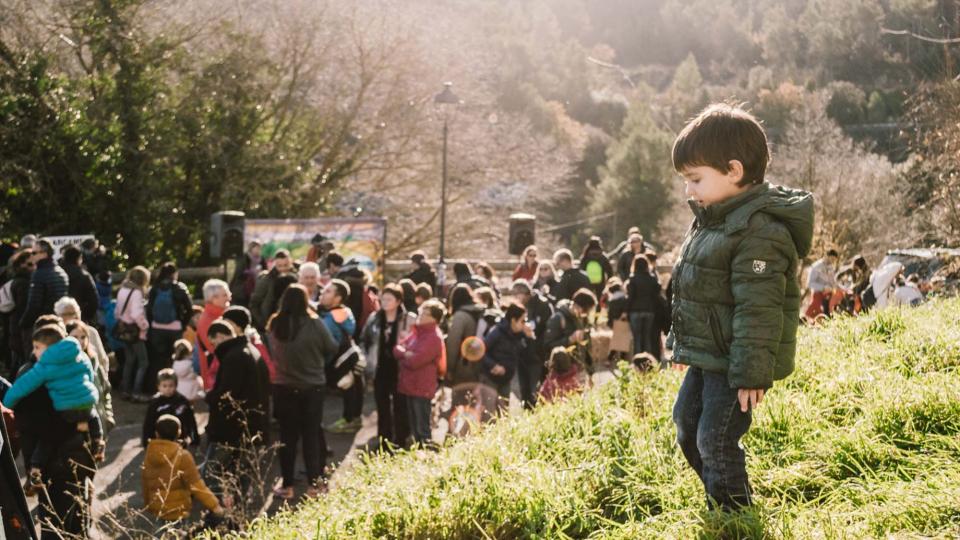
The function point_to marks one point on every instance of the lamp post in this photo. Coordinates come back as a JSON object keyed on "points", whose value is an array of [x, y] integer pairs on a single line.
{"points": [[446, 97]]}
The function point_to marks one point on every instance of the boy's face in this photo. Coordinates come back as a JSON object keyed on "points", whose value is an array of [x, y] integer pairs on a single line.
{"points": [[217, 339], [707, 186], [38, 349], [329, 297], [167, 388]]}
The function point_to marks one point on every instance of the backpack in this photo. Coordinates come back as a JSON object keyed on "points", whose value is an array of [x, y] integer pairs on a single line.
{"points": [[594, 271], [164, 309], [485, 323], [349, 364], [7, 305]]}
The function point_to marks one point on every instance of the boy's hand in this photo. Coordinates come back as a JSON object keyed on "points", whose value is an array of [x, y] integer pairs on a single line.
{"points": [[749, 398]]}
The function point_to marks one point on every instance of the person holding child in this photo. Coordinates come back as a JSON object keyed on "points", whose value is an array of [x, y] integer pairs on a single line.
{"points": [[67, 374], [736, 296]]}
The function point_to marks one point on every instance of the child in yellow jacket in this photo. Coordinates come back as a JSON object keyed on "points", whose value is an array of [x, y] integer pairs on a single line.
{"points": [[170, 476]]}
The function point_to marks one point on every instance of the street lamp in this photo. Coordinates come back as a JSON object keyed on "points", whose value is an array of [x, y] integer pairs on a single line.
{"points": [[446, 97]]}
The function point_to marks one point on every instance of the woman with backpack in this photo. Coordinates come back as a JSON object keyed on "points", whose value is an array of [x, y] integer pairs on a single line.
{"points": [[463, 324], [387, 327], [131, 330], [595, 263], [168, 310]]}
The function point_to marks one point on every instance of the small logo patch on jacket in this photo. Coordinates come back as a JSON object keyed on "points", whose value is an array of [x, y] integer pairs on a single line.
{"points": [[759, 266]]}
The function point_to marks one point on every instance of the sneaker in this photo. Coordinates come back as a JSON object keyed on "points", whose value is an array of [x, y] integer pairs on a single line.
{"points": [[99, 450], [344, 426], [285, 493], [28, 489], [315, 491], [35, 480]]}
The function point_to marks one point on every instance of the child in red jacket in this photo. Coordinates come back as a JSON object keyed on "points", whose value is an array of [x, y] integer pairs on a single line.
{"points": [[564, 377], [422, 361]]}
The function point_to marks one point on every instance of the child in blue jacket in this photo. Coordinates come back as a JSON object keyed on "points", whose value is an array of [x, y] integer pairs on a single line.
{"points": [[68, 375]]}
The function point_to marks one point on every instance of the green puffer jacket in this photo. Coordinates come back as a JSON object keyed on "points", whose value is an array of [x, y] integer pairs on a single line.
{"points": [[736, 292]]}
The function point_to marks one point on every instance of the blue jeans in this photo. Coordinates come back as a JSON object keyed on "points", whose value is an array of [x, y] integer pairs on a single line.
{"points": [[135, 362], [418, 413], [709, 428]]}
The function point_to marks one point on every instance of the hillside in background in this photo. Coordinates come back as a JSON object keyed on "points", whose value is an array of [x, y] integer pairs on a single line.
{"points": [[569, 107], [860, 442]]}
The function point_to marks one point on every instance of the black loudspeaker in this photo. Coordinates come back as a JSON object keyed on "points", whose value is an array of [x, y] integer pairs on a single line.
{"points": [[523, 229], [226, 235]]}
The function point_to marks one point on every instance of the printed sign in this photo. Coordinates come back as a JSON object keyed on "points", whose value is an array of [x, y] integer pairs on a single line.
{"points": [[60, 242], [362, 240]]}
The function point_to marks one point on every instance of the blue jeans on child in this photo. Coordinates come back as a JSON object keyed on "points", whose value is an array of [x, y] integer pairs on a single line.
{"points": [[709, 427]]}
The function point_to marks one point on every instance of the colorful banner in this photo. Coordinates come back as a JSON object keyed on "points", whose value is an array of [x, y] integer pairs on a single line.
{"points": [[361, 239]]}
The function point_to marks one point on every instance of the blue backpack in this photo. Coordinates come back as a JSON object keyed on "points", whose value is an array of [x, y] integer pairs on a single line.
{"points": [[164, 309]]}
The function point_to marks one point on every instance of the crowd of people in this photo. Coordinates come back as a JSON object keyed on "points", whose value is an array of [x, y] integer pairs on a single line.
{"points": [[276, 341], [282, 336], [854, 288]]}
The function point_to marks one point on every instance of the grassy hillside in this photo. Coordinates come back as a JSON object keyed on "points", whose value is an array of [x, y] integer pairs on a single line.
{"points": [[863, 441]]}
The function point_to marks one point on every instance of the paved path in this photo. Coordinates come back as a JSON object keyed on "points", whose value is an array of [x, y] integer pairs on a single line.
{"points": [[117, 482]]}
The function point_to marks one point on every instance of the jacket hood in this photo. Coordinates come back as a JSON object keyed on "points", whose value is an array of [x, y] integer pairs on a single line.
{"points": [[62, 352], [161, 453], [473, 309], [224, 348], [792, 207]]}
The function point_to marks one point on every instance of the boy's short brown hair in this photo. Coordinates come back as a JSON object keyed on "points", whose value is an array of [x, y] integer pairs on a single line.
{"points": [[49, 334], [168, 427], [167, 374], [720, 134]]}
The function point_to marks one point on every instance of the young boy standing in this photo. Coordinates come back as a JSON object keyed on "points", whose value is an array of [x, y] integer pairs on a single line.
{"points": [[168, 400], [736, 295]]}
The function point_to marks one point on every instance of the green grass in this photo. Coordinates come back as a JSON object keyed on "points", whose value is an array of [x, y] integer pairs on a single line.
{"points": [[863, 441]]}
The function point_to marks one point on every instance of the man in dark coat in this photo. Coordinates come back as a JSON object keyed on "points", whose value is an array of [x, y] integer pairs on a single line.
{"points": [[234, 401], [48, 283], [539, 312], [422, 272], [573, 278], [264, 301], [81, 285]]}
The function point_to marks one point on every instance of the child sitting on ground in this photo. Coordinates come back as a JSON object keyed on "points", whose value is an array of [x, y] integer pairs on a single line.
{"points": [[563, 376], [68, 375], [170, 476], [168, 400], [188, 382]]}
